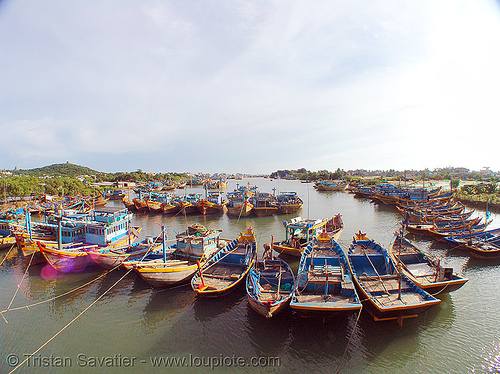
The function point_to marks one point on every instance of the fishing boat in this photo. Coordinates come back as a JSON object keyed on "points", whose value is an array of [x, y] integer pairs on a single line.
{"points": [[299, 232], [483, 245], [428, 274], [269, 286], [238, 204], [213, 203], [7, 242], [129, 204], [187, 204], [264, 204], [196, 244], [331, 185], [140, 204], [437, 227], [108, 227], [227, 269], [440, 233], [324, 282], [385, 291], [289, 202], [110, 257]]}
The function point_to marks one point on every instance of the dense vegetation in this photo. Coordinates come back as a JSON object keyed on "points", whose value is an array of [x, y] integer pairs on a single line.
{"points": [[16, 186], [60, 170]]}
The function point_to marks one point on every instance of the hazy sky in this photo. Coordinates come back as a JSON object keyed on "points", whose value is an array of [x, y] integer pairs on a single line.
{"points": [[249, 86]]}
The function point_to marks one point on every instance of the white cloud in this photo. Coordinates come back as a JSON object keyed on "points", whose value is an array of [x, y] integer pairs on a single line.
{"points": [[240, 85]]}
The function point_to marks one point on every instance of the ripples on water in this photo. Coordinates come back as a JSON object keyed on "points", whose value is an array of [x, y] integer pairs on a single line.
{"points": [[133, 319]]}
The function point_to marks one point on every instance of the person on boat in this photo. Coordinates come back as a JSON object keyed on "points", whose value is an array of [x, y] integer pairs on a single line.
{"points": [[268, 252]]}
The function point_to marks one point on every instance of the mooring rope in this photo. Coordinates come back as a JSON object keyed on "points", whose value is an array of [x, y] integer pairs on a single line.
{"points": [[58, 296], [19, 285], [8, 253], [349, 341], [68, 324]]}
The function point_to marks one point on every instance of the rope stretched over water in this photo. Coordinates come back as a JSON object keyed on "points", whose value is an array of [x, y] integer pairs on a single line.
{"points": [[8, 253], [56, 297], [19, 285], [69, 323], [349, 342]]}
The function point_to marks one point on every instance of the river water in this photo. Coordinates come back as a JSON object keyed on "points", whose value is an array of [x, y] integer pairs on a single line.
{"points": [[133, 327]]}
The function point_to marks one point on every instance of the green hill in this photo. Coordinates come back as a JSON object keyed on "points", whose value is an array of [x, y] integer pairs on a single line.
{"points": [[60, 170]]}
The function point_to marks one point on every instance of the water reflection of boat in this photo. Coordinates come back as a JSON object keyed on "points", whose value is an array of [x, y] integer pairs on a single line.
{"points": [[207, 309], [166, 306]]}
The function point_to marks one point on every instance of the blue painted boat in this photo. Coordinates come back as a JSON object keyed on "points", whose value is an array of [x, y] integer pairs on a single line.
{"points": [[324, 281], [484, 245], [269, 285], [386, 293], [227, 269], [428, 274]]}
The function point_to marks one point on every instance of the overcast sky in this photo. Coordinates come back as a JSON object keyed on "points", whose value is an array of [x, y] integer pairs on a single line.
{"points": [[249, 86]]}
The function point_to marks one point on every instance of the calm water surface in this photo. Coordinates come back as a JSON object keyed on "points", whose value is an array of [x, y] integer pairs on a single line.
{"points": [[133, 324]]}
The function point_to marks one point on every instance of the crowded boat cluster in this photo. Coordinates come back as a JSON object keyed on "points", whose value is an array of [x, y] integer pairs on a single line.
{"points": [[391, 283], [242, 202]]}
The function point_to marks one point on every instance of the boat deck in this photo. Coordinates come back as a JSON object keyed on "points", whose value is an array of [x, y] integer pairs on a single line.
{"points": [[385, 291], [315, 298], [361, 249], [221, 275]]}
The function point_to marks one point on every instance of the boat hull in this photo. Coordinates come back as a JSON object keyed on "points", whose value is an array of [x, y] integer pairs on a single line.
{"points": [[168, 274], [66, 261]]}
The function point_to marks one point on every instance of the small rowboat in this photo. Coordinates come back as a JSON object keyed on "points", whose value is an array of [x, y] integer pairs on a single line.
{"points": [[483, 245], [385, 291], [324, 282], [426, 273], [269, 286], [227, 268]]}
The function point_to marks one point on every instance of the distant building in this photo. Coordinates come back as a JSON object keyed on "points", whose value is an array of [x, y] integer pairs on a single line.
{"points": [[125, 184]]}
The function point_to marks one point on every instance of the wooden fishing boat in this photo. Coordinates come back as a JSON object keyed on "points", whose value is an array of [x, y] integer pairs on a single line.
{"points": [[187, 204], [140, 204], [7, 242], [264, 204], [430, 229], [109, 227], [169, 208], [289, 202], [237, 208], [111, 256], [419, 217], [67, 258], [129, 204], [483, 245], [428, 274], [227, 269], [195, 244], [269, 286], [331, 185], [213, 203], [154, 206], [300, 232], [440, 233], [324, 282], [385, 292]]}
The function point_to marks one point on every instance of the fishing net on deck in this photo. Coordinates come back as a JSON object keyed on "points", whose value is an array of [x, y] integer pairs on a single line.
{"points": [[196, 229]]}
